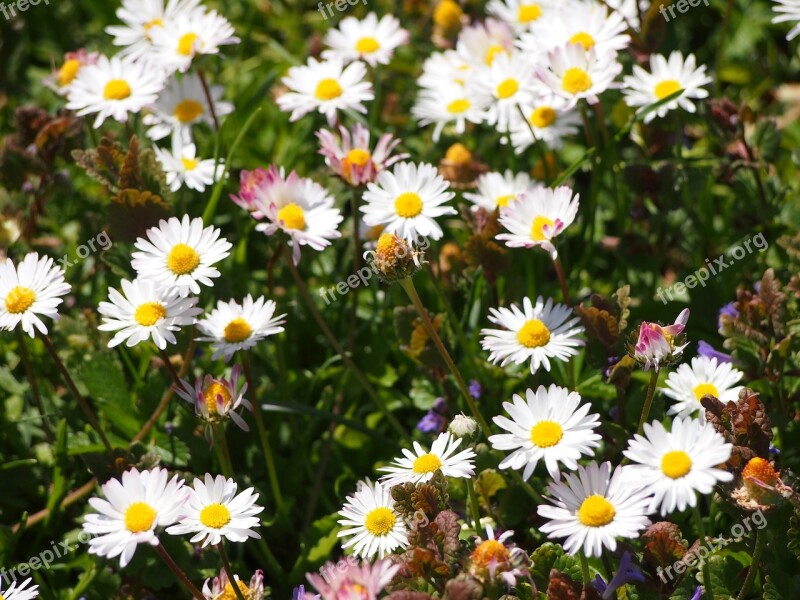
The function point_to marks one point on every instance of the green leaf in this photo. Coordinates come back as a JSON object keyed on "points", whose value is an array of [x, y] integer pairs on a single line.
{"points": [[488, 484]]}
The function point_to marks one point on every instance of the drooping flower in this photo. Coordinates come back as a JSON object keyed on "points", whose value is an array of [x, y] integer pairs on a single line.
{"points": [[215, 400], [658, 345]]}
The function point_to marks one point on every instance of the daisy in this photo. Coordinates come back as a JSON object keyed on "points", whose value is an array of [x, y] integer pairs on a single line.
{"points": [[442, 69], [371, 40], [220, 588], [688, 384], [327, 87], [674, 465], [574, 73], [215, 400], [132, 509], [788, 10], [348, 581], [479, 44], [550, 121], [498, 190], [448, 105], [594, 507], [141, 18], [232, 326], [537, 217], [667, 77], [214, 511], [146, 311], [407, 200], [182, 167], [299, 207], [60, 81], [419, 466], [521, 14], [351, 156], [23, 592], [180, 254], [629, 11], [537, 333], [549, 425], [31, 289], [372, 521], [251, 184], [113, 88], [182, 104], [657, 346], [496, 557]]}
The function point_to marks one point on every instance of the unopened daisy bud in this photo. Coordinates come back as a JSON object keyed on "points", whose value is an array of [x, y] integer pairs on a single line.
{"points": [[447, 16], [458, 154], [394, 258], [463, 426], [658, 346], [459, 166]]}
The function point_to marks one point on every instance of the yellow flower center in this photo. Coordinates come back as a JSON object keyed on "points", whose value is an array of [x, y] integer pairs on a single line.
{"points": [[447, 14], [149, 313], [117, 89], [458, 106], [211, 393], [292, 216], [760, 469], [492, 52], [139, 517], [542, 117], [19, 299], [458, 154], [427, 463], [328, 89], [215, 516], [488, 552], [533, 334], [596, 511], [546, 434], [408, 205], [237, 330], [503, 201], [230, 594], [358, 157], [507, 88], [666, 88], [154, 23], [584, 39], [68, 71], [186, 44], [528, 13], [576, 80], [182, 259], [367, 45], [703, 389], [676, 464], [188, 110], [380, 521], [190, 163], [537, 228]]}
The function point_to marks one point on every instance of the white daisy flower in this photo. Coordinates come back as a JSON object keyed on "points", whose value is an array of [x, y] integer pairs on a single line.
{"points": [[537, 217], [788, 10], [406, 200], [327, 87], [550, 425], [182, 167], [232, 326], [521, 14], [299, 207], [215, 400], [146, 311], [113, 88], [444, 69], [21, 592], [352, 157], [132, 510], [675, 465], [574, 73], [479, 44], [498, 190], [32, 288], [688, 384], [369, 39], [419, 466], [448, 105], [214, 511], [537, 333], [593, 507], [60, 80], [182, 104], [550, 121], [668, 76], [371, 520], [180, 254]]}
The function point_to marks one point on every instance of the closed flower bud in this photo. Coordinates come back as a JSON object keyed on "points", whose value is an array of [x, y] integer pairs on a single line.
{"points": [[463, 426]]}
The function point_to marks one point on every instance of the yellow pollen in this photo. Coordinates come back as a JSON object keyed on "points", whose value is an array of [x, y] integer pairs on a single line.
{"points": [[389, 246], [584, 39], [576, 80], [292, 216], [380, 521], [507, 88], [68, 71], [529, 12], [546, 434], [367, 45], [427, 463], [190, 163], [408, 205], [139, 517], [488, 552], [458, 154], [149, 313], [19, 299], [542, 117], [230, 594], [237, 330], [492, 52], [596, 511], [186, 44], [676, 464], [458, 106], [182, 259], [188, 110], [447, 14], [703, 389], [211, 393], [533, 334], [215, 516], [358, 157], [667, 88], [502, 201], [117, 89], [537, 228], [328, 89], [760, 469]]}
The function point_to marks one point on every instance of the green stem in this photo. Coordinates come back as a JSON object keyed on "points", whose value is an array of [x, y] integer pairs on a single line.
{"points": [[229, 570], [527, 488], [701, 530], [585, 568], [473, 502], [761, 542], [562, 280], [162, 552], [648, 401], [35, 395], [223, 452], [539, 148]]}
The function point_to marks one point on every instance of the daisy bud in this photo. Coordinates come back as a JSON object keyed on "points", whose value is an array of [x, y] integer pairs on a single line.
{"points": [[463, 426], [459, 167], [447, 16], [657, 345], [394, 258]]}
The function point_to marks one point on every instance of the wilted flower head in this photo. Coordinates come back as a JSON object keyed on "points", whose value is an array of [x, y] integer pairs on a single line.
{"points": [[496, 557], [394, 258], [351, 158], [216, 400], [220, 587], [762, 487], [354, 582], [657, 345]]}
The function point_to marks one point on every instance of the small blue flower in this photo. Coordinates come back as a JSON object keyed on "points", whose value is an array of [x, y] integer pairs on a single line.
{"points": [[626, 573], [706, 349], [475, 389]]}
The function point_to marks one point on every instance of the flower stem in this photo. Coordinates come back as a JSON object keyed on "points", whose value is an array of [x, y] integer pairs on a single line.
{"points": [[223, 452], [701, 530], [585, 568], [37, 398], [168, 364], [761, 542], [162, 552], [90, 416], [408, 285], [473, 502], [648, 401], [207, 92], [562, 280], [351, 335], [229, 570]]}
